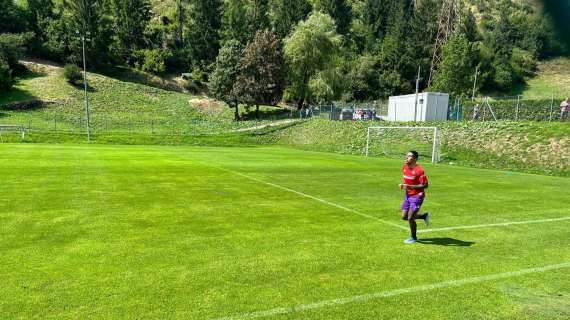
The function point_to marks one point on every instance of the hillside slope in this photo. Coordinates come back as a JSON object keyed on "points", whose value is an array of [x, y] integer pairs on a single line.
{"points": [[538, 147]]}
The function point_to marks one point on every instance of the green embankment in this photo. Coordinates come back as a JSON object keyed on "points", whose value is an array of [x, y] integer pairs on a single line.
{"points": [[127, 113], [538, 147]]}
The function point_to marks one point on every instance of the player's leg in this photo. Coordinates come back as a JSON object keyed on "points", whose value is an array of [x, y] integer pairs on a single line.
{"points": [[417, 204], [413, 224]]}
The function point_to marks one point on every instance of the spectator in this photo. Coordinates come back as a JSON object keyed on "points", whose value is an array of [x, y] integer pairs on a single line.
{"points": [[564, 106], [476, 112]]}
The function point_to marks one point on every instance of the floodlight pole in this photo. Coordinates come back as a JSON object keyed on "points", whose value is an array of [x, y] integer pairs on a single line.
{"points": [[417, 90], [475, 83], [85, 100]]}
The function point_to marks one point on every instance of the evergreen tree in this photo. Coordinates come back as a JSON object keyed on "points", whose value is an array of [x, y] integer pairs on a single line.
{"points": [[88, 17], [131, 18], [456, 67], [204, 38], [39, 14], [375, 16], [12, 18], [339, 10], [286, 14], [394, 57], [258, 16], [235, 22]]}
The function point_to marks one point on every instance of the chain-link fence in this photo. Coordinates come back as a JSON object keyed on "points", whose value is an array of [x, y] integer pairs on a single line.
{"points": [[374, 110], [516, 108], [55, 122]]}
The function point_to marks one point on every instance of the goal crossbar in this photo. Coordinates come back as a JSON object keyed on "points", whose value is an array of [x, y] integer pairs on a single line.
{"points": [[434, 142], [12, 127]]}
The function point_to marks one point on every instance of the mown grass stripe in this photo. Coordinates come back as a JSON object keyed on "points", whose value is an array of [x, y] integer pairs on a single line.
{"points": [[391, 293], [493, 225], [315, 198]]}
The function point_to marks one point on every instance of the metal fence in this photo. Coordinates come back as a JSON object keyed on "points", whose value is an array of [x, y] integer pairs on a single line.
{"points": [[102, 123], [515, 108]]}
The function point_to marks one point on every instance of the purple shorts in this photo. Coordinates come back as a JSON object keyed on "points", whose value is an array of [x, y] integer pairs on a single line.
{"points": [[412, 202]]}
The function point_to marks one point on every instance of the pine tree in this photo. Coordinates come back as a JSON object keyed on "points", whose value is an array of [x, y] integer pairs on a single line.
{"points": [[286, 14], [131, 18], [204, 40], [339, 10], [235, 22]]}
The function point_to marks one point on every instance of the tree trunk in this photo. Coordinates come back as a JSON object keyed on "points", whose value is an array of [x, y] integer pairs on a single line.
{"points": [[236, 115], [257, 111]]}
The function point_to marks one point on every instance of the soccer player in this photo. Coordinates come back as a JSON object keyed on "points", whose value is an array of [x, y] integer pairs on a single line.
{"points": [[415, 183]]}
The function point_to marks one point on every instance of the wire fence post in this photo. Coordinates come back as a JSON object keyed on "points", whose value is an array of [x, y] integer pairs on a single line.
{"points": [[551, 106], [517, 108]]}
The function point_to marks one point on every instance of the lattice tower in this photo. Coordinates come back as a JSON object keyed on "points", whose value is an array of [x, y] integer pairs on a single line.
{"points": [[448, 25]]}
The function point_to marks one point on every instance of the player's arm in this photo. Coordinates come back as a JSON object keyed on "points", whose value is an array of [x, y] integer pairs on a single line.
{"points": [[417, 186]]}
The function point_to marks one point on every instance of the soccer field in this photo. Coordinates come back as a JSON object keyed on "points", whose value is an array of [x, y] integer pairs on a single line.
{"points": [[141, 232]]}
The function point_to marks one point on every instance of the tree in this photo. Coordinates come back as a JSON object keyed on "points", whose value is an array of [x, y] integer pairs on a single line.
{"points": [[258, 17], [11, 47], [375, 15], [261, 77], [131, 18], [339, 10], [6, 80], [13, 19], [204, 39], [235, 22], [88, 16], [456, 67], [395, 61], [226, 71], [39, 14], [309, 49], [286, 14]]}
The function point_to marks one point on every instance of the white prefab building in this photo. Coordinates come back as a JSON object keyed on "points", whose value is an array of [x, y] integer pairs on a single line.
{"points": [[431, 106]]}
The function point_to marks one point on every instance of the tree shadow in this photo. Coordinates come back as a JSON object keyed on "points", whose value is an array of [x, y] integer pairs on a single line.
{"points": [[15, 95], [448, 242], [79, 86]]}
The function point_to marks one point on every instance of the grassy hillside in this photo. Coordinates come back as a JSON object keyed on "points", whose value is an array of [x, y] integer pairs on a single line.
{"points": [[523, 146], [43, 101], [552, 78]]}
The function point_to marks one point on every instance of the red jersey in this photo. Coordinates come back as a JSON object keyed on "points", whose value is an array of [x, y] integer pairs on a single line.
{"points": [[414, 176]]}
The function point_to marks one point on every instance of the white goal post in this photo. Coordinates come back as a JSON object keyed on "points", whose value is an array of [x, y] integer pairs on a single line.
{"points": [[9, 127], [405, 139]]}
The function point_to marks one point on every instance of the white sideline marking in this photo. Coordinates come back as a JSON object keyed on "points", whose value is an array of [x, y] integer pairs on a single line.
{"points": [[391, 293], [492, 225], [317, 199]]}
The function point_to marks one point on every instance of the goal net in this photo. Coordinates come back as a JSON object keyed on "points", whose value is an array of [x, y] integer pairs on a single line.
{"points": [[394, 142], [9, 133]]}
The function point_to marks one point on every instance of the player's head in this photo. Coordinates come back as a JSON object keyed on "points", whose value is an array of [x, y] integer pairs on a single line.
{"points": [[411, 157]]}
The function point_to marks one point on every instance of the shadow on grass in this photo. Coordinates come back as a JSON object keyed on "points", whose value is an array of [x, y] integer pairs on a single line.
{"points": [[448, 242], [79, 86], [16, 95]]}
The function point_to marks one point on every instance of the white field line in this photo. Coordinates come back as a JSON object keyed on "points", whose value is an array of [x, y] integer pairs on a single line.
{"points": [[492, 225], [391, 293], [317, 199]]}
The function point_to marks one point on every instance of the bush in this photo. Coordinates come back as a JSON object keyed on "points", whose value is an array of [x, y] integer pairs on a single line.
{"points": [[6, 80], [149, 60], [72, 73]]}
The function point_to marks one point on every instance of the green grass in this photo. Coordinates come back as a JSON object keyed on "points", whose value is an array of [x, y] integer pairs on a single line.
{"points": [[115, 107], [551, 80], [130, 232]]}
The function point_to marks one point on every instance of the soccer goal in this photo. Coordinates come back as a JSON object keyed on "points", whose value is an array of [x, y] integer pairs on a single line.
{"points": [[396, 141], [19, 129]]}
